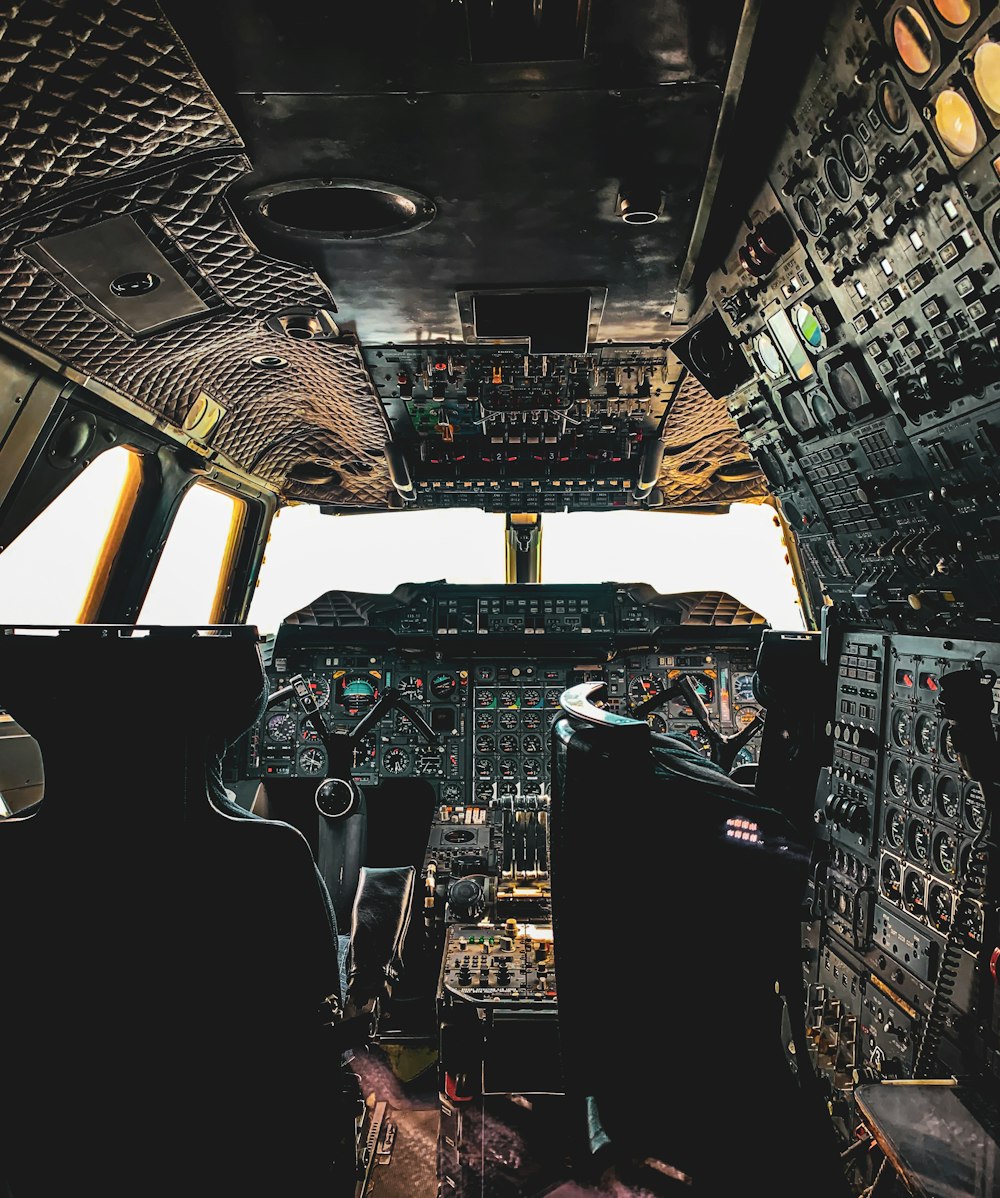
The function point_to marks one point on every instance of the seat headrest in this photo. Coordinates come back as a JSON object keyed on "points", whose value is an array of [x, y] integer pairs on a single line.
{"points": [[210, 685]]}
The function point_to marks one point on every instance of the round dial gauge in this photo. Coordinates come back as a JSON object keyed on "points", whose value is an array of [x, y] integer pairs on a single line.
{"points": [[948, 750], [443, 686], [484, 767], [838, 178], [507, 767], [507, 699], [921, 788], [810, 330], [918, 840], [955, 122], [745, 715], [395, 760], [643, 687], [805, 206], [531, 744], [901, 729], [427, 759], [897, 779], [508, 790], [945, 853], [508, 720], [365, 752], [484, 720], [358, 692], [312, 761], [531, 788], [319, 687], [531, 721], [974, 807], [768, 356], [895, 828], [854, 156], [451, 794], [554, 693], [485, 697], [939, 906], [281, 728], [890, 878], [484, 792], [411, 687], [913, 893], [970, 920], [531, 698], [913, 40], [485, 744], [925, 735], [508, 743], [949, 799], [485, 673], [796, 412], [705, 690], [892, 105], [532, 768], [744, 757], [656, 722]]}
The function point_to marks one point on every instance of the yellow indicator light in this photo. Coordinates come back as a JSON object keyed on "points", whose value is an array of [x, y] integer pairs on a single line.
{"points": [[912, 38], [955, 12], [986, 74], [956, 123]]}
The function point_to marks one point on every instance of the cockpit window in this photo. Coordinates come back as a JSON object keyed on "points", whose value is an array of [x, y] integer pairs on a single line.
{"points": [[194, 566], [51, 571]]}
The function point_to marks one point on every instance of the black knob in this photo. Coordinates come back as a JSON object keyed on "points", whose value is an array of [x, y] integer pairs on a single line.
{"points": [[467, 900]]}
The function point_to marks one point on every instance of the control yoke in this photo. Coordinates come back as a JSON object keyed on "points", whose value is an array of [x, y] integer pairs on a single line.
{"points": [[723, 748], [337, 794]]}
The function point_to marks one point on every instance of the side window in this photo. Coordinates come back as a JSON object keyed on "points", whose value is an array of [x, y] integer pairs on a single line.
{"points": [[196, 560], [49, 571]]}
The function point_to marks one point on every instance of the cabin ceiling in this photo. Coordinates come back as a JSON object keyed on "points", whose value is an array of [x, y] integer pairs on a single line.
{"points": [[118, 159]]}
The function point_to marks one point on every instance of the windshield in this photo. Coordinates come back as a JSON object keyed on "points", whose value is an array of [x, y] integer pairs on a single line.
{"points": [[741, 552]]}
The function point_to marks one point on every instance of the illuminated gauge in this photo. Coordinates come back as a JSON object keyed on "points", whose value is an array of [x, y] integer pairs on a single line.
{"points": [[810, 330], [901, 729], [918, 840], [531, 721], [890, 879], [428, 759], [948, 750], [744, 757], [485, 673], [925, 735], [892, 105], [921, 788], [946, 853], [484, 767], [508, 790], [939, 907], [986, 74], [969, 918], [699, 740], [767, 355], [955, 123], [745, 715], [531, 698], [486, 698], [531, 744], [395, 760], [554, 693], [656, 722], [796, 413], [854, 157], [506, 699], [451, 794], [822, 408], [312, 761], [507, 767], [357, 692], [975, 807], [532, 768], [443, 686], [913, 40], [808, 215], [838, 178], [643, 687], [484, 792], [949, 800], [484, 720], [914, 892], [895, 828], [508, 720], [485, 744], [953, 12], [508, 744], [365, 752], [704, 689], [281, 728], [320, 688], [411, 687]]}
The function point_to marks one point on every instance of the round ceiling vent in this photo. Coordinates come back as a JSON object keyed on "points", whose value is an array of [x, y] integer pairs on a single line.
{"points": [[339, 209]]}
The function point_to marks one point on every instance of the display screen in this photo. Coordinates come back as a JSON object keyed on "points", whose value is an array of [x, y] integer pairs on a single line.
{"points": [[790, 345]]}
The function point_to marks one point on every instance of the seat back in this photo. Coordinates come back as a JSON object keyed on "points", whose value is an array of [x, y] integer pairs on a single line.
{"points": [[675, 902], [166, 953]]}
